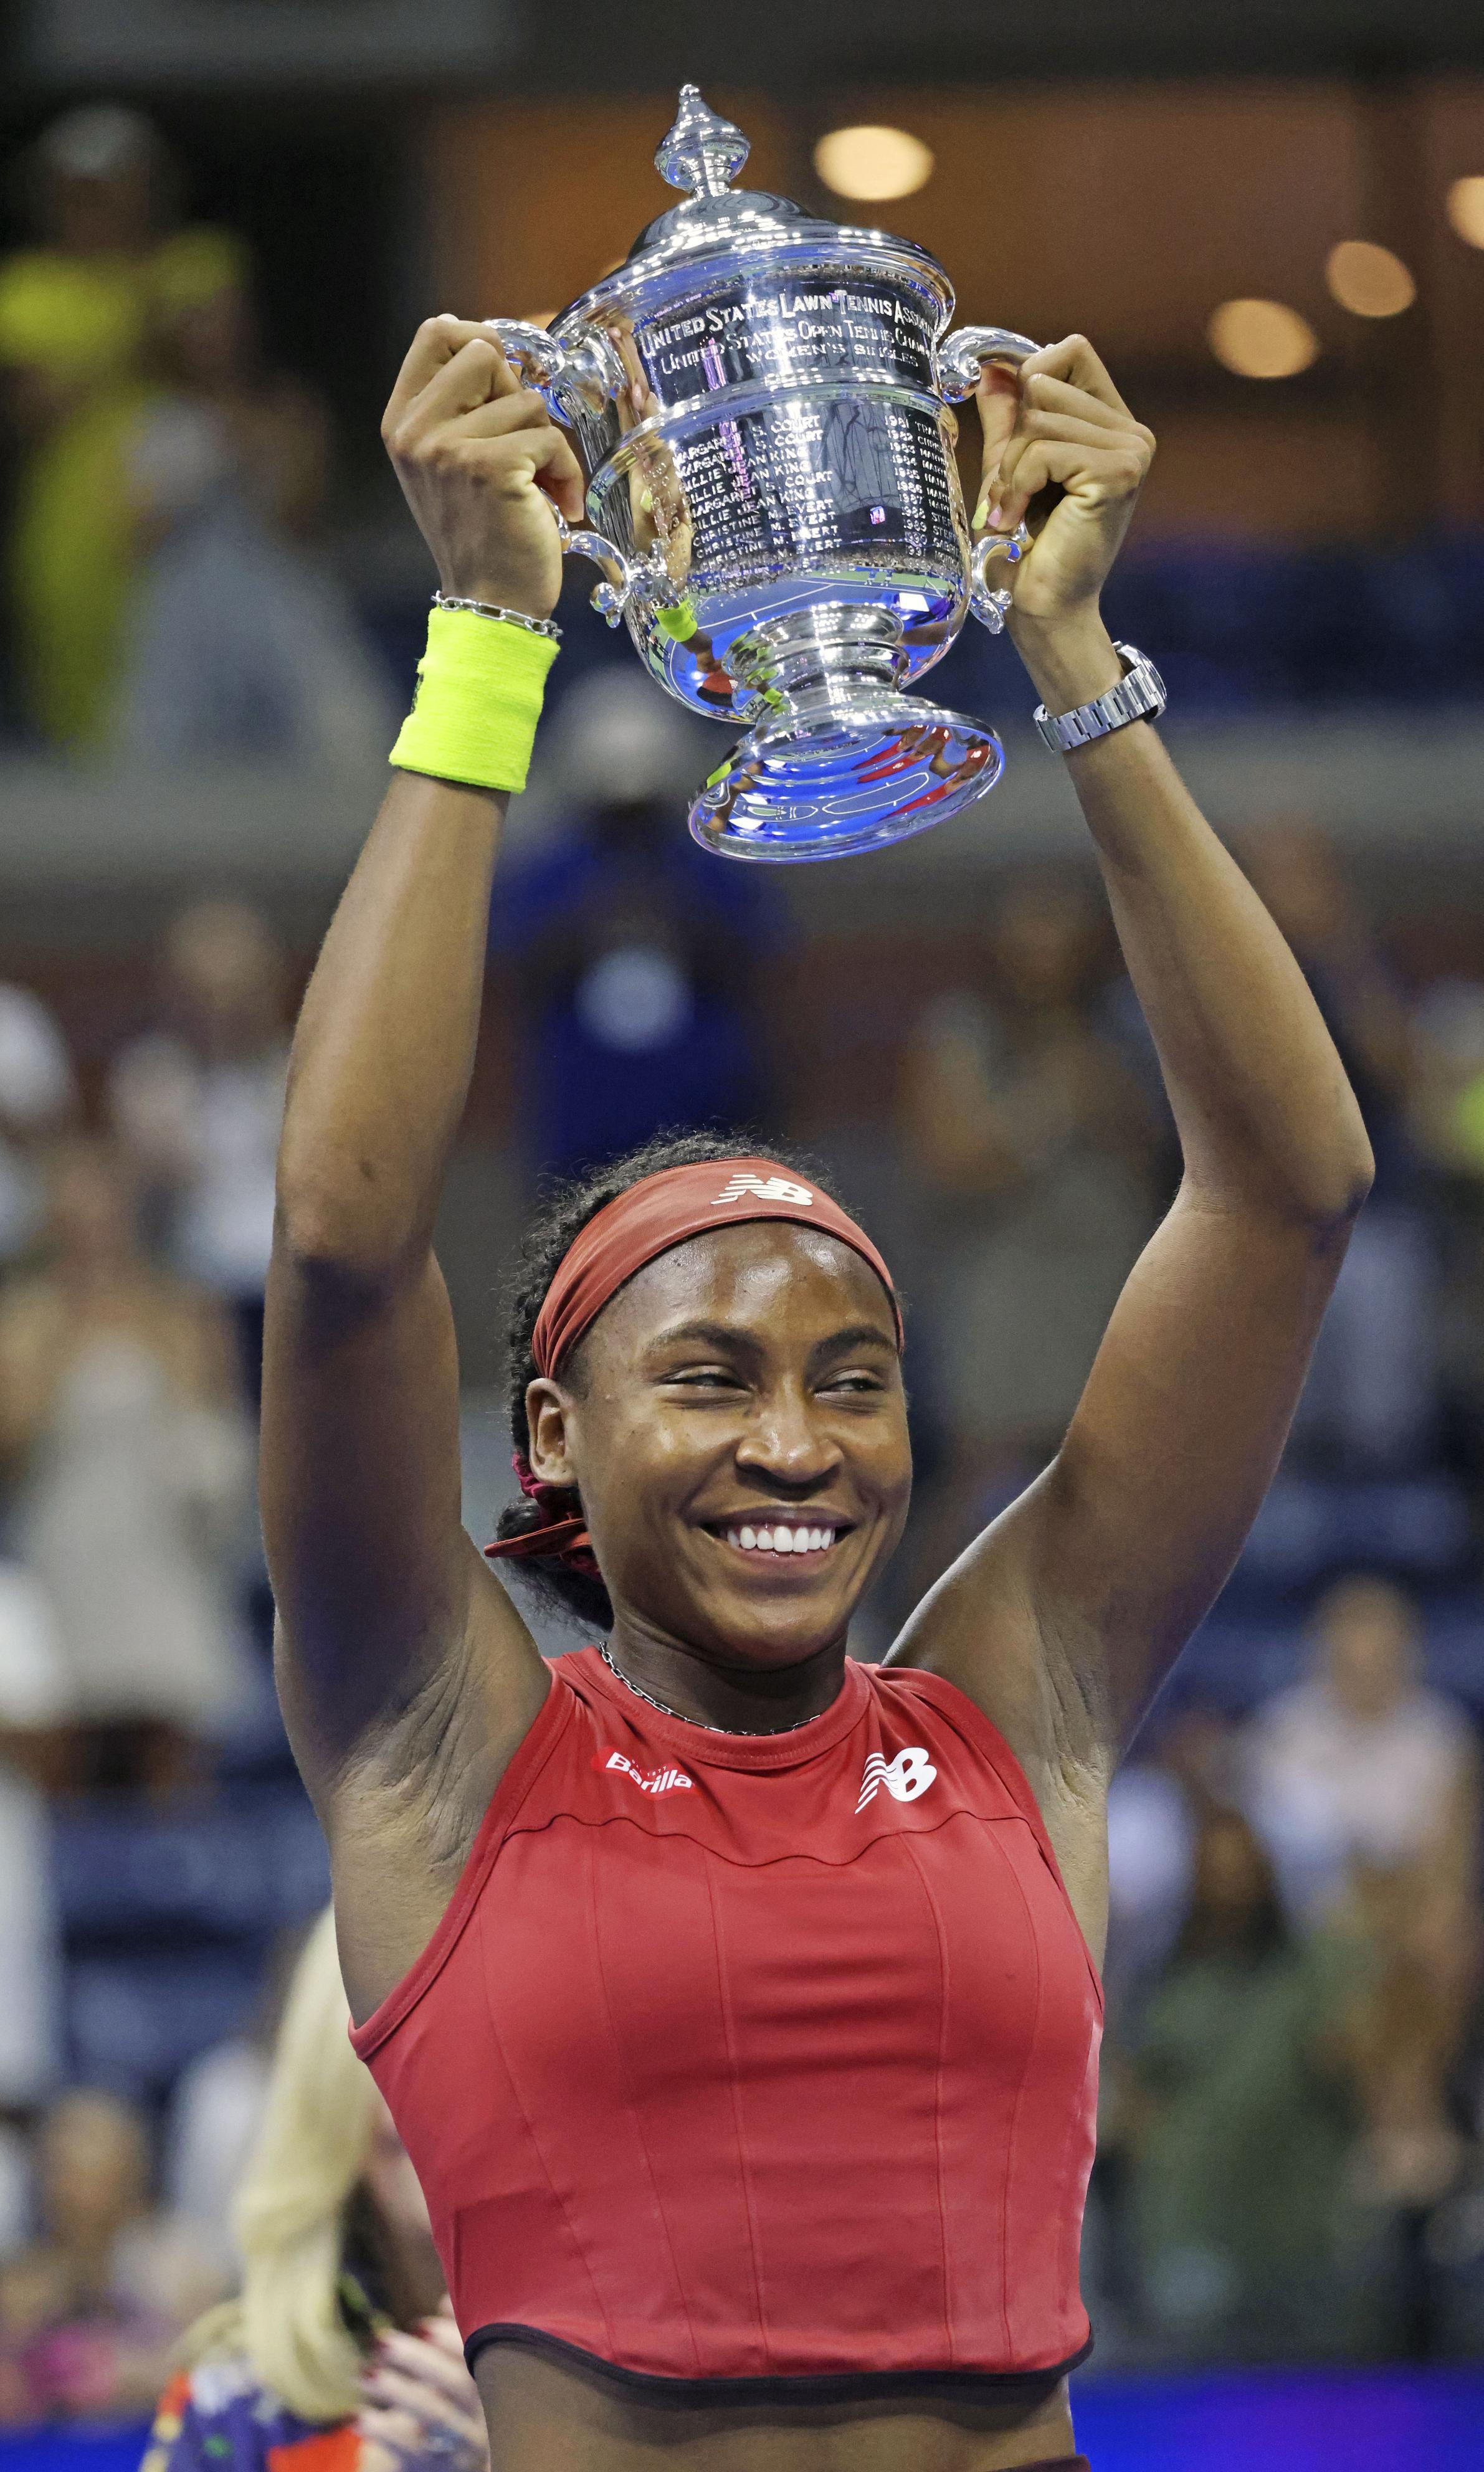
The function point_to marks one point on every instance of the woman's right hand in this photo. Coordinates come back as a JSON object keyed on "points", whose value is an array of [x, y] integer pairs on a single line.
{"points": [[481, 463], [421, 2407]]}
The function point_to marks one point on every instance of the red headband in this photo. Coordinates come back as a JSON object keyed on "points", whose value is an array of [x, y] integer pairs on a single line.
{"points": [[649, 1220]]}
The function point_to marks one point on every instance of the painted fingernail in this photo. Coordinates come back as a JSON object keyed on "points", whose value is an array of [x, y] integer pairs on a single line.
{"points": [[996, 518], [981, 510], [646, 501]]}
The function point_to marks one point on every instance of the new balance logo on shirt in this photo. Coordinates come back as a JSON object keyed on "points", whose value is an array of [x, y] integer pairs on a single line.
{"points": [[768, 1188], [906, 1776], [648, 1780]]}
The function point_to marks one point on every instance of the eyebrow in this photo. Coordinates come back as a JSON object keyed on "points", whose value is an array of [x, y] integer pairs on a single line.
{"points": [[857, 1333], [725, 1334]]}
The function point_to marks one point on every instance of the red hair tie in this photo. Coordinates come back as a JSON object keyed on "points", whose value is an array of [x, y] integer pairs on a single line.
{"points": [[560, 1538]]}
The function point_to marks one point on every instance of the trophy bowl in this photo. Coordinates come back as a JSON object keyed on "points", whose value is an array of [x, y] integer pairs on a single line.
{"points": [[760, 398]]}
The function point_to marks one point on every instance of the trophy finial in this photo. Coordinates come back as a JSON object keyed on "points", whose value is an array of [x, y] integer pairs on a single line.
{"points": [[701, 151]]}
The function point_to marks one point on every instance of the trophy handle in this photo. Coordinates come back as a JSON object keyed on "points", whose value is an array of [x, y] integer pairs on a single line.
{"points": [[622, 576], [988, 607], [625, 580], [961, 356], [589, 370]]}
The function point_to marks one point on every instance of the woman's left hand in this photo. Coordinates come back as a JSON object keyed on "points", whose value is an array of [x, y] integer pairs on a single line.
{"points": [[421, 2408], [1063, 453]]}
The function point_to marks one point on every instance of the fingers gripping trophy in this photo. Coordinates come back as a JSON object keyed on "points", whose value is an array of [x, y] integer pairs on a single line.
{"points": [[762, 401]]}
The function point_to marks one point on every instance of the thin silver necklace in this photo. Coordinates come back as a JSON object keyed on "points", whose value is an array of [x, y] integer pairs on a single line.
{"points": [[651, 1701]]}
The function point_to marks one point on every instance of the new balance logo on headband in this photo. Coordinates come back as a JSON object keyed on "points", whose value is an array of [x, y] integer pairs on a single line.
{"points": [[768, 1188]]}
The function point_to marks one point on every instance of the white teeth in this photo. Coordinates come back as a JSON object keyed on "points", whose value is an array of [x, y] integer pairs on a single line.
{"points": [[781, 1540]]}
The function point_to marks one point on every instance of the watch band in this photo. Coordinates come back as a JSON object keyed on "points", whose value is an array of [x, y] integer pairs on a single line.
{"points": [[1139, 696]]}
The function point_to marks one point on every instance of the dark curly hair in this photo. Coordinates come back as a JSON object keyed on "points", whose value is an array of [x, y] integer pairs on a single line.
{"points": [[566, 1209]]}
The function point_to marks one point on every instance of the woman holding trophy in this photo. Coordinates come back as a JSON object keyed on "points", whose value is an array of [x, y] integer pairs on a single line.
{"points": [[736, 2000]]}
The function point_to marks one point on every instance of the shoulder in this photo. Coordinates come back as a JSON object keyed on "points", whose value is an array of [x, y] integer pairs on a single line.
{"points": [[31, 1308], [907, 1697], [1292, 1719], [29, 281], [1443, 1730], [201, 256]]}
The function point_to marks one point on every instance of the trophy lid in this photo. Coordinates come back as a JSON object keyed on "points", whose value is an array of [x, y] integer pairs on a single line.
{"points": [[703, 153]]}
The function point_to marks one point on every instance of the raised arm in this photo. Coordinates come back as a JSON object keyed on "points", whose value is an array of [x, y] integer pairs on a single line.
{"points": [[1063, 1618], [404, 1670]]}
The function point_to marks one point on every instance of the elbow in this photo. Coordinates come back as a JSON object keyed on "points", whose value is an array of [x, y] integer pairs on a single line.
{"points": [[1336, 1195], [334, 1233]]}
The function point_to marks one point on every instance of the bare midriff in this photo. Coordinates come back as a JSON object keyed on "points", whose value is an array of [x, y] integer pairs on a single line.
{"points": [[547, 2416]]}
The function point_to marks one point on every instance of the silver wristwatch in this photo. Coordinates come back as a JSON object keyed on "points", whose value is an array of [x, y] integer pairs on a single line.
{"points": [[1139, 696]]}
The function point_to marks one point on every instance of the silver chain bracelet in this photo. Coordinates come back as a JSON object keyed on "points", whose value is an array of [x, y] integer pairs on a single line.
{"points": [[492, 609]]}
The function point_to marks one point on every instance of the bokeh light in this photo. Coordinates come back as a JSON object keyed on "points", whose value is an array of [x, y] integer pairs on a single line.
{"points": [[1368, 280], [1466, 208], [1262, 338], [871, 162]]}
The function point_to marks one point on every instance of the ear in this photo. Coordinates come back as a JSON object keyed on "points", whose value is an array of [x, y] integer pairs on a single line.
{"points": [[546, 1427]]}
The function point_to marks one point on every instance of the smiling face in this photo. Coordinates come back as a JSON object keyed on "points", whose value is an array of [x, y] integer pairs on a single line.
{"points": [[737, 1423]]}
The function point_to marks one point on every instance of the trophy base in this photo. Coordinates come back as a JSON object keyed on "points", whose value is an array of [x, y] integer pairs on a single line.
{"points": [[841, 769]]}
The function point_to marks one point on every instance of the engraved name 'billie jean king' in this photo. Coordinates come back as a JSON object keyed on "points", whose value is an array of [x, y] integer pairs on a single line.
{"points": [[760, 397]]}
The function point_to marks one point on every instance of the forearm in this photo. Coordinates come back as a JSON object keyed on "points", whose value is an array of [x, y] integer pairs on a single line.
{"points": [[1265, 1114], [385, 1044]]}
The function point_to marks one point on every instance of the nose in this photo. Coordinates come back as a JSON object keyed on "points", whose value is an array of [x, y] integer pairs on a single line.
{"points": [[786, 1443]]}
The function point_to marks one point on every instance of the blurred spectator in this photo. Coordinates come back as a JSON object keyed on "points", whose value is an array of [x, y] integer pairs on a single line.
{"points": [[1370, 1404], [1244, 2115], [120, 1419], [338, 2256], [75, 315], [38, 1093], [636, 956], [1423, 1935], [1448, 1082], [1156, 1803], [1362, 1763], [1032, 1147], [198, 1104], [34, 1709], [241, 641], [90, 2313], [216, 2113], [1447, 1126]]}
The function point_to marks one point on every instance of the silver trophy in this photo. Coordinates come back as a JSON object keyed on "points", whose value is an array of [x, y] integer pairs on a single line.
{"points": [[760, 398]]}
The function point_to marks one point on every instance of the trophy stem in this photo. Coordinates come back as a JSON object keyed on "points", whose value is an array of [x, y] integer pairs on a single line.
{"points": [[784, 657], [837, 759]]}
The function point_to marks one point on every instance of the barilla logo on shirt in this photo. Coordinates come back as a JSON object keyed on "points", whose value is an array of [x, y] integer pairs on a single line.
{"points": [[648, 1780], [768, 1188]]}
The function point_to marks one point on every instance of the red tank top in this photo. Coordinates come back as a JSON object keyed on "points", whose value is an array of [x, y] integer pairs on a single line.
{"points": [[757, 2058]]}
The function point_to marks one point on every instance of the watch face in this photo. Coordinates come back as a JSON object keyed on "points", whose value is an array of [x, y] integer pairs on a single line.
{"points": [[1142, 668]]}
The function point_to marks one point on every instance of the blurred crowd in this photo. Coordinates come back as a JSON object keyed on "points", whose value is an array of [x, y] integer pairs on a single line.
{"points": [[169, 599], [1292, 2158]]}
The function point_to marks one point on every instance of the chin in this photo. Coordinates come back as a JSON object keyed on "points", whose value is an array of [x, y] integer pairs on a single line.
{"points": [[757, 1632]]}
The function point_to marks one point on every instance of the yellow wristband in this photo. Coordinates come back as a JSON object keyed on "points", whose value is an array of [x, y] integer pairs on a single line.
{"points": [[480, 688]]}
